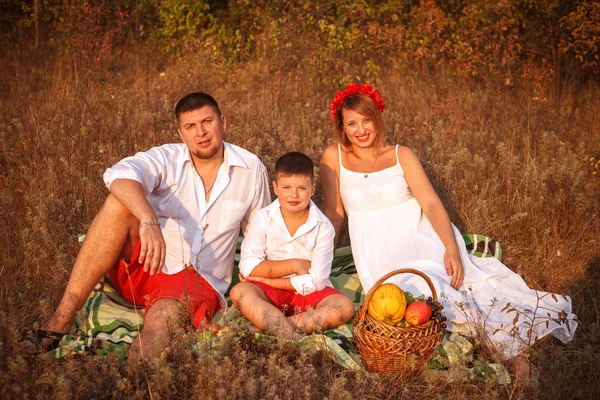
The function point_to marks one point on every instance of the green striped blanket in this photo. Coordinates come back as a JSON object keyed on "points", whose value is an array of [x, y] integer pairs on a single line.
{"points": [[109, 323]]}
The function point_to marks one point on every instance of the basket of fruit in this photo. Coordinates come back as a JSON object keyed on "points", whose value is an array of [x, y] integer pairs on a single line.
{"points": [[393, 337]]}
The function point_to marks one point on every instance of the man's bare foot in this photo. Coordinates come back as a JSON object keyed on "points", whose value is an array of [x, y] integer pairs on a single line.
{"points": [[51, 333]]}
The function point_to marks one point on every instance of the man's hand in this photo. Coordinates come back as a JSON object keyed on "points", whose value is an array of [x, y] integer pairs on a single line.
{"points": [[153, 249]]}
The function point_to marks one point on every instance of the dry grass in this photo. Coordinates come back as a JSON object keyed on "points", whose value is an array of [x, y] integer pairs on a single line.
{"points": [[507, 164]]}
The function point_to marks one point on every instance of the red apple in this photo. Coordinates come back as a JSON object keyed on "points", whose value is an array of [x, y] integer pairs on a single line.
{"points": [[417, 313]]}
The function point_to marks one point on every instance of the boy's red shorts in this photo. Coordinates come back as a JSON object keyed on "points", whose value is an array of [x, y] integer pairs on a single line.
{"points": [[291, 302], [187, 286]]}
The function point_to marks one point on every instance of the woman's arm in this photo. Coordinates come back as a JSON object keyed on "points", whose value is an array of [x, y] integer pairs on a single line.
{"points": [[433, 208], [330, 183]]}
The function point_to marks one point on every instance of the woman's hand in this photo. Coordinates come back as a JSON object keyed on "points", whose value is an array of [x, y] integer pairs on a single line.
{"points": [[454, 268]]}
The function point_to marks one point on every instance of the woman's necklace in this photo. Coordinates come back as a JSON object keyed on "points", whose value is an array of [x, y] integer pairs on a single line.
{"points": [[372, 166]]}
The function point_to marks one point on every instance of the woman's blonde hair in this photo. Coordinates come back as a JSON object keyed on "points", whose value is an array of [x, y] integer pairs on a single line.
{"points": [[363, 105]]}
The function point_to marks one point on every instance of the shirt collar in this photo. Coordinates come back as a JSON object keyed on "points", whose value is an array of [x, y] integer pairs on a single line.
{"points": [[315, 216], [232, 157]]}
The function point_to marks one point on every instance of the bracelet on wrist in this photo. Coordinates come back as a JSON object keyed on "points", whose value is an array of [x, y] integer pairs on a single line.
{"points": [[148, 223]]}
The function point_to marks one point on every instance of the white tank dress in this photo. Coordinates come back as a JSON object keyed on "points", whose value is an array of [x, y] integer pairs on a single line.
{"points": [[388, 230]]}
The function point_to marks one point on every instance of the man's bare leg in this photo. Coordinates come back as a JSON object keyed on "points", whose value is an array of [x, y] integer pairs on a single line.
{"points": [[330, 312], [155, 334], [111, 236]]}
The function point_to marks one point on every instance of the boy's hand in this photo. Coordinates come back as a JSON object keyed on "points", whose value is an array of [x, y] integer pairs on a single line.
{"points": [[301, 267], [251, 278]]}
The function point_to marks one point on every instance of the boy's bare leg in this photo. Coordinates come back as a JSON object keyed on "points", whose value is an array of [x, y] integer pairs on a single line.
{"points": [[332, 311], [155, 334], [110, 236], [256, 306]]}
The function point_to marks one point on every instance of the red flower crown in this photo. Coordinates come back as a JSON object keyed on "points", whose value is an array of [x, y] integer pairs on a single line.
{"points": [[355, 88]]}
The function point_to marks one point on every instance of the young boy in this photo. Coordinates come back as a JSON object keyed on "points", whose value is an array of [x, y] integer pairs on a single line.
{"points": [[286, 260]]}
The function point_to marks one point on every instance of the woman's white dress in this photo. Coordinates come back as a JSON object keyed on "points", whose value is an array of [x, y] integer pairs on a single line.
{"points": [[388, 230]]}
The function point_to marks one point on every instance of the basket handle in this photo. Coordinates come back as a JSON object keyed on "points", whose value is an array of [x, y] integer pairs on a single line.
{"points": [[362, 310]]}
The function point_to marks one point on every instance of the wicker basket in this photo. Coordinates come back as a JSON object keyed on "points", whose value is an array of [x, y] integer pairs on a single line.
{"points": [[392, 349]]}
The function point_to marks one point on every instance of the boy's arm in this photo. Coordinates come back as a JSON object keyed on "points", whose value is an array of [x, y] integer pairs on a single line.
{"points": [[320, 267], [277, 269], [253, 256], [277, 283]]}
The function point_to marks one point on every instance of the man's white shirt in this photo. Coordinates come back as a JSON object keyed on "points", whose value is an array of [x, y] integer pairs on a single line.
{"points": [[269, 239], [199, 233]]}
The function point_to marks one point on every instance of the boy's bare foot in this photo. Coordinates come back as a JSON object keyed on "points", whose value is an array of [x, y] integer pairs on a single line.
{"points": [[212, 327], [296, 335], [254, 329]]}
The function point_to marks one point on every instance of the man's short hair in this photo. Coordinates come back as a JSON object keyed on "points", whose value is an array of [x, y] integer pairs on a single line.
{"points": [[194, 101], [293, 164]]}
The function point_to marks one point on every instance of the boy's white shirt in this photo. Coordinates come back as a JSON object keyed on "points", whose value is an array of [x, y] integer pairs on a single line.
{"points": [[269, 239]]}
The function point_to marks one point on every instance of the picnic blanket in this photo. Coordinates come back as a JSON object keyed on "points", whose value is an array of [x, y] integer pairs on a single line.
{"points": [[108, 323]]}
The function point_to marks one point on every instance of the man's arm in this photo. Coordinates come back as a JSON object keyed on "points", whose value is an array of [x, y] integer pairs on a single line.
{"points": [[131, 194], [130, 181]]}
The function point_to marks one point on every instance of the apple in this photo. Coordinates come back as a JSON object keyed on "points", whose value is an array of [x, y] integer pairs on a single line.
{"points": [[418, 313]]}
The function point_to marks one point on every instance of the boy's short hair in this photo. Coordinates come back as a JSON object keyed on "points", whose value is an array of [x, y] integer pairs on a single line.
{"points": [[294, 163]]}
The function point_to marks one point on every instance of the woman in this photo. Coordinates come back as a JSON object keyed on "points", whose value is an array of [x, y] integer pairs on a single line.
{"points": [[396, 220]]}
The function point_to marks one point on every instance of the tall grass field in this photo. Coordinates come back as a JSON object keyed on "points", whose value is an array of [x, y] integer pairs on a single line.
{"points": [[509, 137]]}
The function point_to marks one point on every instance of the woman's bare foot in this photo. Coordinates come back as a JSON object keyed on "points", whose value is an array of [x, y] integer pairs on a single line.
{"points": [[523, 369]]}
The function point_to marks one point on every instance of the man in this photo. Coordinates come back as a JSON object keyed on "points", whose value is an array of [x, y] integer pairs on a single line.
{"points": [[168, 230]]}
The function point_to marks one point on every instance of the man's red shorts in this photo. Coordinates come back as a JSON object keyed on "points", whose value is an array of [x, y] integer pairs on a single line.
{"points": [[291, 303], [187, 286]]}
